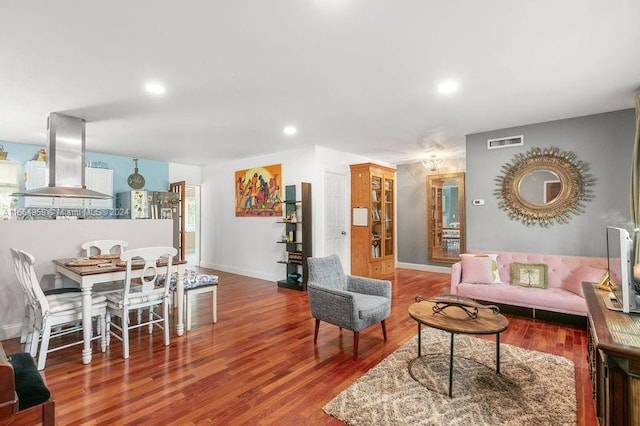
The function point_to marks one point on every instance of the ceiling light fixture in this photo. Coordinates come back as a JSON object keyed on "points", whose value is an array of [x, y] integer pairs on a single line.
{"points": [[155, 88], [290, 131], [447, 87], [432, 163]]}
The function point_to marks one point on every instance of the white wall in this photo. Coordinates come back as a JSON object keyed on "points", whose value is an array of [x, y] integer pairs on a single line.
{"points": [[182, 172], [247, 246], [55, 239]]}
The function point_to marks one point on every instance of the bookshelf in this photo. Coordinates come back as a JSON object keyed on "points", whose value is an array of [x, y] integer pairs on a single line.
{"points": [[296, 237], [373, 242]]}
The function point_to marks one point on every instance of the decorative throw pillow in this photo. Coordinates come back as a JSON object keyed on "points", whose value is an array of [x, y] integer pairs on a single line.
{"points": [[529, 274], [476, 269], [584, 273], [495, 273]]}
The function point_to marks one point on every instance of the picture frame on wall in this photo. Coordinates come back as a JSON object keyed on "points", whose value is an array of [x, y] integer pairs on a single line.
{"points": [[258, 191]]}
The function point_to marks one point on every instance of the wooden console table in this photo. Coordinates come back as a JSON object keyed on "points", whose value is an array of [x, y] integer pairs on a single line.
{"points": [[614, 360]]}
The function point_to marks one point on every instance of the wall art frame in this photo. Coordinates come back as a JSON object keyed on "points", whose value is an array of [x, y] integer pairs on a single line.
{"points": [[258, 191]]}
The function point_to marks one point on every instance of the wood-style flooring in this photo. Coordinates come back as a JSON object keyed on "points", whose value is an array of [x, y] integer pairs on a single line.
{"points": [[258, 364]]}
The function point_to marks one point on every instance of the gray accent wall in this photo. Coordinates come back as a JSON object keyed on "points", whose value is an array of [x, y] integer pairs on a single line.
{"points": [[604, 141], [411, 213]]}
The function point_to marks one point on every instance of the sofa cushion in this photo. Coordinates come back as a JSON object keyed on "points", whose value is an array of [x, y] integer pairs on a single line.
{"points": [[584, 273], [529, 274], [559, 267], [476, 269], [548, 299]]}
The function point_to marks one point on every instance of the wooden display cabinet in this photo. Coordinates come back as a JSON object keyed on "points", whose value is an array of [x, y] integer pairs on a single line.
{"points": [[373, 242]]}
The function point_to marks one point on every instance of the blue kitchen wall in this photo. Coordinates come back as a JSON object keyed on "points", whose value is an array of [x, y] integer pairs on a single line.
{"points": [[156, 173]]}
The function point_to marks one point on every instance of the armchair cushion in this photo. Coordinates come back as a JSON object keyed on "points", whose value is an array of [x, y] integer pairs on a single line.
{"points": [[371, 307]]}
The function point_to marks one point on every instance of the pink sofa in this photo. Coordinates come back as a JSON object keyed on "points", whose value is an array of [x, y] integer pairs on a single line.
{"points": [[565, 275]]}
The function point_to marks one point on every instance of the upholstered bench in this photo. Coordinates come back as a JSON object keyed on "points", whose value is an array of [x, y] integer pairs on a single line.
{"points": [[196, 284], [24, 398]]}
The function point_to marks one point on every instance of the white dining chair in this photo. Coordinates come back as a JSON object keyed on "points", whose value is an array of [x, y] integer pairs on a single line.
{"points": [[29, 308], [30, 300], [64, 313], [103, 247], [148, 295]]}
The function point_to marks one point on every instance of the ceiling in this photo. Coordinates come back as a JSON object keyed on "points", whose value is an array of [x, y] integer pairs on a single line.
{"points": [[352, 75]]}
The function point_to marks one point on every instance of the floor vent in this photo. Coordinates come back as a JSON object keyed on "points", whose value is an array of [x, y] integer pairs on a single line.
{"points": [[505, 142]]}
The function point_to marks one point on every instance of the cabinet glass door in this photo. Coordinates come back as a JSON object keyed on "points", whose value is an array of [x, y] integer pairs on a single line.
{"points": [[376, 217], [388, 217]]}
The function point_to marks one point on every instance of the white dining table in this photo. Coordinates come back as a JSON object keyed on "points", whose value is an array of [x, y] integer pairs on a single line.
{"points": [[89, 276]]}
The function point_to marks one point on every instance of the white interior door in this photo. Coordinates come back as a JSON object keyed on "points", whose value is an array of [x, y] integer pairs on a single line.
{"points": [[335, 216], [192, 225]]}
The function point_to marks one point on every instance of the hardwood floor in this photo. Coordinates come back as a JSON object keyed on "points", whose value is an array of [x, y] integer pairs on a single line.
{"points": [[258, 364]]}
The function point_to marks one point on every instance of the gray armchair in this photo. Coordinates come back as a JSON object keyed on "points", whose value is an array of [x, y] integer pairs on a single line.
{"points": [[347, 301]]}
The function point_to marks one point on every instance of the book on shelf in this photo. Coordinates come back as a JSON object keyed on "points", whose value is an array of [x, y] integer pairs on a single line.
{"points": [[295, 257]]}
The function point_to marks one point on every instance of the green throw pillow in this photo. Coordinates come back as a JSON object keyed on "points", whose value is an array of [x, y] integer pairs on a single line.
{"points": [[529, 274]]}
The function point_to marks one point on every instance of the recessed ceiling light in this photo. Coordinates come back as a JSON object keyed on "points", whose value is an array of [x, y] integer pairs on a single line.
{"points": [[154, 88], [290, 131], [447, 87]]}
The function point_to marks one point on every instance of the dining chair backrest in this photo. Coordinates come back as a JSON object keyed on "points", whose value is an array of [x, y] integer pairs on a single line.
{"points": [[19, 270], [31, 280], [103, 246], [147, 258]]}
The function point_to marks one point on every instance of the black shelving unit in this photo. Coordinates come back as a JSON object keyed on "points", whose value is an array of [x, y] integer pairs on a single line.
{"points": [[298, 248]]}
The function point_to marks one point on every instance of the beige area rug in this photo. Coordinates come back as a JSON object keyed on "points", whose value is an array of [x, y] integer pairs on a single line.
{"points": [[535, 388]]}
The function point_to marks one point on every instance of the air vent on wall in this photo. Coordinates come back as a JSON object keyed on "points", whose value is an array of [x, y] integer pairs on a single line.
{"points": [[505, 142]]}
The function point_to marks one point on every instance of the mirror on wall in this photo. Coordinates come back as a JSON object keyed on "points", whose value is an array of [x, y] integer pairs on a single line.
{"points": [[544, 186], [445, 217]]}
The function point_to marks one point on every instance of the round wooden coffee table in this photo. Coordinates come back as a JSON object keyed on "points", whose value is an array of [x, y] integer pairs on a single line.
{"points": [[457, 314]]}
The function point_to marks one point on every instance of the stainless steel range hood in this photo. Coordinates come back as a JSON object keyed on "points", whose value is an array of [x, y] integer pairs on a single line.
{"points": [[66, 160]]}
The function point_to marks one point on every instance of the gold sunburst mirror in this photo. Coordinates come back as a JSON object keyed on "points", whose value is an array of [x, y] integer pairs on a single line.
{"points": [[544, 186]]}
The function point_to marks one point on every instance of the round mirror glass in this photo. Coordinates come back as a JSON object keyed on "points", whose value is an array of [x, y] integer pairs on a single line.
{"points": [[540, 187]]}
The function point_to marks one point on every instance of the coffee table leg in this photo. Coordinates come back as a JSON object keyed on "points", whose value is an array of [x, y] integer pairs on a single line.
{"points": [[451, 367], [419, 340], [498, 353]]}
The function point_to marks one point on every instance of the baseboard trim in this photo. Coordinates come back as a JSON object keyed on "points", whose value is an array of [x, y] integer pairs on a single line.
{"points": [[9, 331], [239, 271], [421, 267]]}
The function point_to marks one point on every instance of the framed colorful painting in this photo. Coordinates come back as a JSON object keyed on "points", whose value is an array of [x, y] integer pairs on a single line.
{"points": [[258, 191]]}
